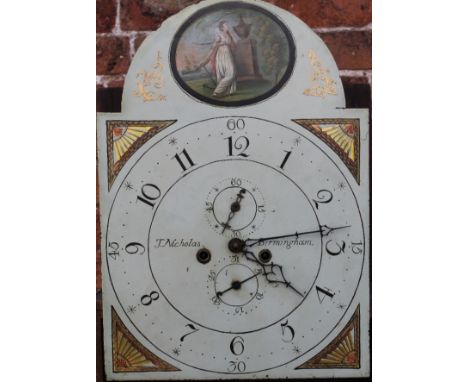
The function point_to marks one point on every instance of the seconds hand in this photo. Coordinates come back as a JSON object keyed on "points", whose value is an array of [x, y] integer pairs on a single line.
{"points": [[324, 230], [237, 284], [234, 208]]}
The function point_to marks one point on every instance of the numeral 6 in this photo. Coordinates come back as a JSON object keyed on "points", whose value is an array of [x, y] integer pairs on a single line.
{"points": [[237, 345]]}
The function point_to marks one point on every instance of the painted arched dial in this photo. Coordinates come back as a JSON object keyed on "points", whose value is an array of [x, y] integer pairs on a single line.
{"points": [[235, 311]]}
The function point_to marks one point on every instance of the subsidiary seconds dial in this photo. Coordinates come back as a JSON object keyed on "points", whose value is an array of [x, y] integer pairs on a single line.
{"points": [[235, 207], [235, 245]]}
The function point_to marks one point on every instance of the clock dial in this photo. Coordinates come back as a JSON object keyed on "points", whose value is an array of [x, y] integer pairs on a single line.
{"points": [[225, 234]]}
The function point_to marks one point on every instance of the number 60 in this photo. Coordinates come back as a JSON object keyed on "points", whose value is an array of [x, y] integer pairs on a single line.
{"points": [[232, 124]]}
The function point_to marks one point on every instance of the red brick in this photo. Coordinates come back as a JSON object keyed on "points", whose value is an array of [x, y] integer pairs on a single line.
{"points": [[149, 14], [112, 55], [139, 40], [351, 50], [106, 11], [112, 81], [329, 13], [357, 80]]}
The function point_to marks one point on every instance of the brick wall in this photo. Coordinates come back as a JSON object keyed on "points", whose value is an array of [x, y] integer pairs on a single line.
{"points": [[121, 25]]}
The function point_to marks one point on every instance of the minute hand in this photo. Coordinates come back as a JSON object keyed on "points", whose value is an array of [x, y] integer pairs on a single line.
{"points": [[324, 230]]}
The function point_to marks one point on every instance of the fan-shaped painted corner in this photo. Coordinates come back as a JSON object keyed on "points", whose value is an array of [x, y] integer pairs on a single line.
{"points": [[128, 355], [124, 138], [342, 136], [343, 352]]}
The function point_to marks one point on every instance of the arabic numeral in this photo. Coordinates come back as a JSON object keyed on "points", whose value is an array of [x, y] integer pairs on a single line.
{"points": [[132, 248], [285, 329], [334, 248], [147, 299], [212, 276], [324, 292], [241, 144], [236, 182], [237, 345], [234, 366], [115, 250], [149, 193], [356, 248], [233, 124], [193, 330], [135, 248], [234, 259], [184, 160], [323, 197], [286, 158]]}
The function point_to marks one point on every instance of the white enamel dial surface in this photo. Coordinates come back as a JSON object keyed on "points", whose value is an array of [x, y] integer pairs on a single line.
{"points": [[235, 245]]}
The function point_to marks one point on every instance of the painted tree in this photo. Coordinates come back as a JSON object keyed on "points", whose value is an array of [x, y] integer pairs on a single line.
{"points": [[273, 48]]}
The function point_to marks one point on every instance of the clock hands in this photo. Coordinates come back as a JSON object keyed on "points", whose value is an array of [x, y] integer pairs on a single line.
{"points": [[324, 231], [237, 284], [235, 207], [268, 270], [273, 272]]}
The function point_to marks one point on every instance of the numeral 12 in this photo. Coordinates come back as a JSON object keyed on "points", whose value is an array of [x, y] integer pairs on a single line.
{"points": [[241, 144]]}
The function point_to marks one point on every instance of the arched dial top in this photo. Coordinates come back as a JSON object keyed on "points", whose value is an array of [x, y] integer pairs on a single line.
{"points": [[225, 234], [231, 54]]}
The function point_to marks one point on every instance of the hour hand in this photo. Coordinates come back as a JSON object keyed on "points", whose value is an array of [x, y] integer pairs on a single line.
{"points": [[275, 275], [273, 272]]}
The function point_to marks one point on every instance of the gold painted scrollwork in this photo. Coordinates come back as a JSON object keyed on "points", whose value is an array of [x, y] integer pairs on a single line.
{"points": [[321, 82], [150, 83], [343, 352]]}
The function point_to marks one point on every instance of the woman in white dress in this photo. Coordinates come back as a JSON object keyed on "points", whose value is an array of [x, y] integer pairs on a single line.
{"points": [[222, 61]]}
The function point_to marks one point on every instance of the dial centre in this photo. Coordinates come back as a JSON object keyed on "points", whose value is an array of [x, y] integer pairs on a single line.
{"points": [[236, 245], [236, 285], [235, 207]]}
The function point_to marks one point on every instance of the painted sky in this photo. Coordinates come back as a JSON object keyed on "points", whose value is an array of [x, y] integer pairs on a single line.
{"points": [[196, 41]]}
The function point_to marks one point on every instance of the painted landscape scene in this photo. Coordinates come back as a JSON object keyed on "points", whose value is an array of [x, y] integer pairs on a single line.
{"points": [[233, 56]]}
